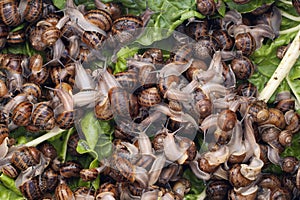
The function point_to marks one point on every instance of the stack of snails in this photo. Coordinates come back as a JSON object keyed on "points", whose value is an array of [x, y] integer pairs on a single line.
{"points": [[159, 106]]}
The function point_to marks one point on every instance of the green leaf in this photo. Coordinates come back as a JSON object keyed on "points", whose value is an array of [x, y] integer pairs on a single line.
{"points": [[61, 143], [60, 4], [91, 129], [88, 4], [122, 55], [7, 194], [294, 149], [167, 16], [10, 183], [197, 185], [25, 49], [248, 7]]}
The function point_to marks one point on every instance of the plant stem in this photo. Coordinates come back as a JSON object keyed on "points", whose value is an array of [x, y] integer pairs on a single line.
{"points": [[282, 70], [290, 30], [54, 132], [289, 16], [286, 2]]}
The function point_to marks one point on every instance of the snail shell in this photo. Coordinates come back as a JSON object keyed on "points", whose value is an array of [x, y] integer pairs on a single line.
{"points": [[48, 150], [100, 18], [82, 193], [236, 178], [43, 116], [49, 180], [289, 164], [149, 97], [206, 7], [70, 169], [63, 192], [217, 189], [227, 120], [245, 42], [31, 190]]}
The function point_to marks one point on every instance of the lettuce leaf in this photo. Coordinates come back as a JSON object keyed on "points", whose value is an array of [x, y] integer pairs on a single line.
{"points": [[9, 183], [294, 149], [98, 140], [197, 185], [167, 16], [8, 194], [60, 4], [248, 7]]}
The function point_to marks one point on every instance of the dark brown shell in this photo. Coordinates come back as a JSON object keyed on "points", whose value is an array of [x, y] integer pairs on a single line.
{"points": [[4, 132], [289, 164], [227, 120], [89, 174], [65, 120], [205, 166], [126, 23], [280, 193], [72, 144], [49, 180], [206, 7], [35, 38], [16, 37], [197, 29], [276, 118], [31, 190], [25, 157], [92, 39], [48, 150], [70, 169], [39, 77], [236, 179], [10, 171], [43, 116], [9, 13], [21, 114], [245, 43], [155, 54], [270, 181], [285, 138], [242, 67], [225, 41], [100, 18], [217, 189], [103, 110], [183, 53], [34, 10], [108, 187], [258, 110]]}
